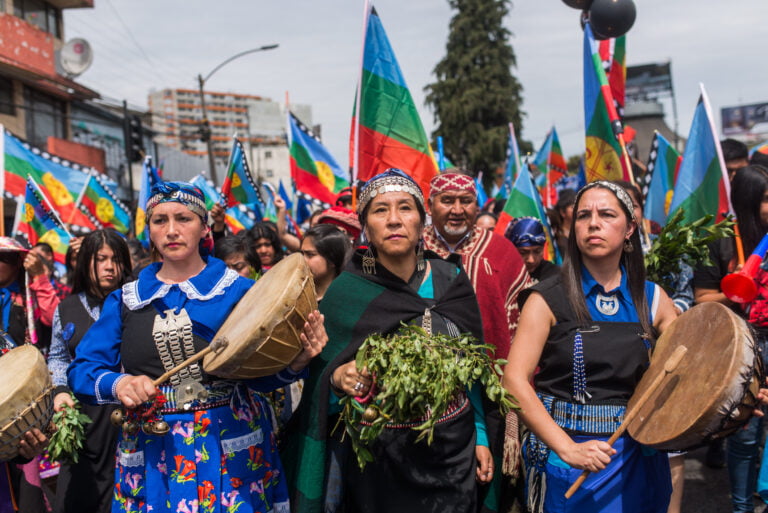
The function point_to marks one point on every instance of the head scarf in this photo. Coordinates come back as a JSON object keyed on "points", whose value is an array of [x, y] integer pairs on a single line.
{"points": [[391, 180], [618, 190], [452, 182], [526, 232], [179, 192], [188, 195]]}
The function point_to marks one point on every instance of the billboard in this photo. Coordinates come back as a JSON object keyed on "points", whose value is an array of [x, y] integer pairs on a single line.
{"points": [[745, 119], [648, 81]]}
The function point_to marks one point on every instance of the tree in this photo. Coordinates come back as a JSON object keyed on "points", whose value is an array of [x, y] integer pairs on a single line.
{"points": [[475, 96]]}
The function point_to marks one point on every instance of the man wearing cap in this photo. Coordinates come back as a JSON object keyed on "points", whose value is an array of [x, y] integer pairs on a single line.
{"points": [[497, 274]]}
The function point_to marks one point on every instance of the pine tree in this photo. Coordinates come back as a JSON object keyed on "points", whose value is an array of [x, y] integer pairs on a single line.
{"points": [[475, 95]]}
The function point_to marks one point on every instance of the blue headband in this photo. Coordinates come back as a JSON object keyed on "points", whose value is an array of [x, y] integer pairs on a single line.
{"points": [[526, 232], [179, 192]]}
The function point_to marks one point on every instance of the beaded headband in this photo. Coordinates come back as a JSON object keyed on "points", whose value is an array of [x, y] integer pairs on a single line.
{"points": [[391, 180], [186, 194], [618, 190]]}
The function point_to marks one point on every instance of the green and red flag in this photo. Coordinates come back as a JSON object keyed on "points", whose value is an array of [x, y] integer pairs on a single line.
{"points": [[314, 171], [103, 207], [613, 55], [525, 201], [37, 221], [386, 128], [663, 165], [550, 162], [606, 159], [702, 185], [61, 180], [239, 187], [237, 218]]}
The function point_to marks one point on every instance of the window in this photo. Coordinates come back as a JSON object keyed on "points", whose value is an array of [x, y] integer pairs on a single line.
{"points": [[7, 104], [40, 14], [269, 173], [45, 117], [267, 154]]}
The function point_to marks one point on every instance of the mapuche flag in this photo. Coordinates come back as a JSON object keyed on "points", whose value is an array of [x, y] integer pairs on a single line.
{"points": [[149, 177], [525, 201], [604, 152], [237, 218], [386, 128], [61, 180], [702, 185], [37, 221], [104, 209], [550, 160], [663, 164], [313, 169], [239, 187]]}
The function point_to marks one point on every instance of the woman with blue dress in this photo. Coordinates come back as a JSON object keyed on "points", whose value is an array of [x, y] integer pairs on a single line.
{"points": [[590, 331], [206, 444]]}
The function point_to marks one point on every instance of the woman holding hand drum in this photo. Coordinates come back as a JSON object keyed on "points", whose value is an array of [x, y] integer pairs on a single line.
{"points": [[591, 332], [215, 454]]}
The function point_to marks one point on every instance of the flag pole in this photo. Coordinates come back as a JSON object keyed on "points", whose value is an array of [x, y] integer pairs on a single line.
{"points": [[356, 124], [30, 311], [79, 201]]}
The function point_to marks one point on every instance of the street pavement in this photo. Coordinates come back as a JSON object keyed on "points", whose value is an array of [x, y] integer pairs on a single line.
{"points": [[706, 489]]}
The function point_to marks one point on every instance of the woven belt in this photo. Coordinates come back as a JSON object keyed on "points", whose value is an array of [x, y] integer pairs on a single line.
{"points": [[219, 394], [588, 419], [455, 407]]}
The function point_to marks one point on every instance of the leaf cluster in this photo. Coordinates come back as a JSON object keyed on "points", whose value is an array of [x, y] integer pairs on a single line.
{"points": [[474, 95], [683, 242], [417, 376], [67, 441]]}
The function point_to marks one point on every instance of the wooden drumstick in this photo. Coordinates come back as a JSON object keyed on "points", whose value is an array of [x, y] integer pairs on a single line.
{"points": [[669, 366], [215, 346]]}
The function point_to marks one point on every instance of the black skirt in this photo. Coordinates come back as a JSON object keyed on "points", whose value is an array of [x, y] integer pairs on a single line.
{"points": [[408, 476]]}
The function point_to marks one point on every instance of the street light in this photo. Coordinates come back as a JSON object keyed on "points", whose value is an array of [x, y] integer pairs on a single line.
{"points": [[205, 128]]}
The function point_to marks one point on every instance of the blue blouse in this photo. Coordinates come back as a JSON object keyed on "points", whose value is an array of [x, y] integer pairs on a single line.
{"points": [[208, 297], [616, 305]]}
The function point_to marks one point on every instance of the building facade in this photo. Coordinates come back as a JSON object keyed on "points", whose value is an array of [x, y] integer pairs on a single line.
{"points": [[259, 123]]}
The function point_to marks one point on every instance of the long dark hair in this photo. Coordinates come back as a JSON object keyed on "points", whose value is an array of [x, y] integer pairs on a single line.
{"points": [[747, 191], [632, 261], [233, 244], [331, 244], [85, 269], [265, 231]]}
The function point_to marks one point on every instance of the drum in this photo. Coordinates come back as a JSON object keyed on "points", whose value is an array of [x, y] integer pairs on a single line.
{"points": [[262, 332], [713, 390], [26, 397]]}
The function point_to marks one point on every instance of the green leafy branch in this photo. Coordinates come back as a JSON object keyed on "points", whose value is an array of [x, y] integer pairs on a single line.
{"points": [[417, 376], [686, 242], [67, 441]]}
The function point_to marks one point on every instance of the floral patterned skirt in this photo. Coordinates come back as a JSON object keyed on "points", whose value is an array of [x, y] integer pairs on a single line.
{"points": [[219, 460]]}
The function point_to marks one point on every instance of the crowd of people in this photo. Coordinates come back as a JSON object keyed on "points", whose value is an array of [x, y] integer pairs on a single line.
{"points": [[577, 338]]}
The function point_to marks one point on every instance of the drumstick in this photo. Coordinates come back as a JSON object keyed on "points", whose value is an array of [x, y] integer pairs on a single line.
{"points": [[669, 366], [215, 346]]}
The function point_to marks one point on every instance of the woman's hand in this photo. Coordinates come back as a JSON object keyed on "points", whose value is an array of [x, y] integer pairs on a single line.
{"points": [[313, 340], [32, 444], [34, 265], [132, 391], [61, 400], [217, 215], [347, 379], [592, 455], [484, 464]]}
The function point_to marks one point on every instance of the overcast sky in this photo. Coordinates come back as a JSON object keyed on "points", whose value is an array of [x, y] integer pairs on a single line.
{"points": [[143, 44]]}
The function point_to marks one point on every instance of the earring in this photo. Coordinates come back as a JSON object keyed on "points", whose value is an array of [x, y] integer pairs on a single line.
{"points": [[628, 247], [420, 264], [369, 261]]}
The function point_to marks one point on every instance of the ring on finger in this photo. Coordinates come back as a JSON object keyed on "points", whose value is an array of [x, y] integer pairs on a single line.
{"points": [[358, 387]]}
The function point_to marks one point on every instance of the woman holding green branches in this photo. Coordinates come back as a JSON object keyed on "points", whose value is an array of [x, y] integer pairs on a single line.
{"points": [[389, 283]]}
